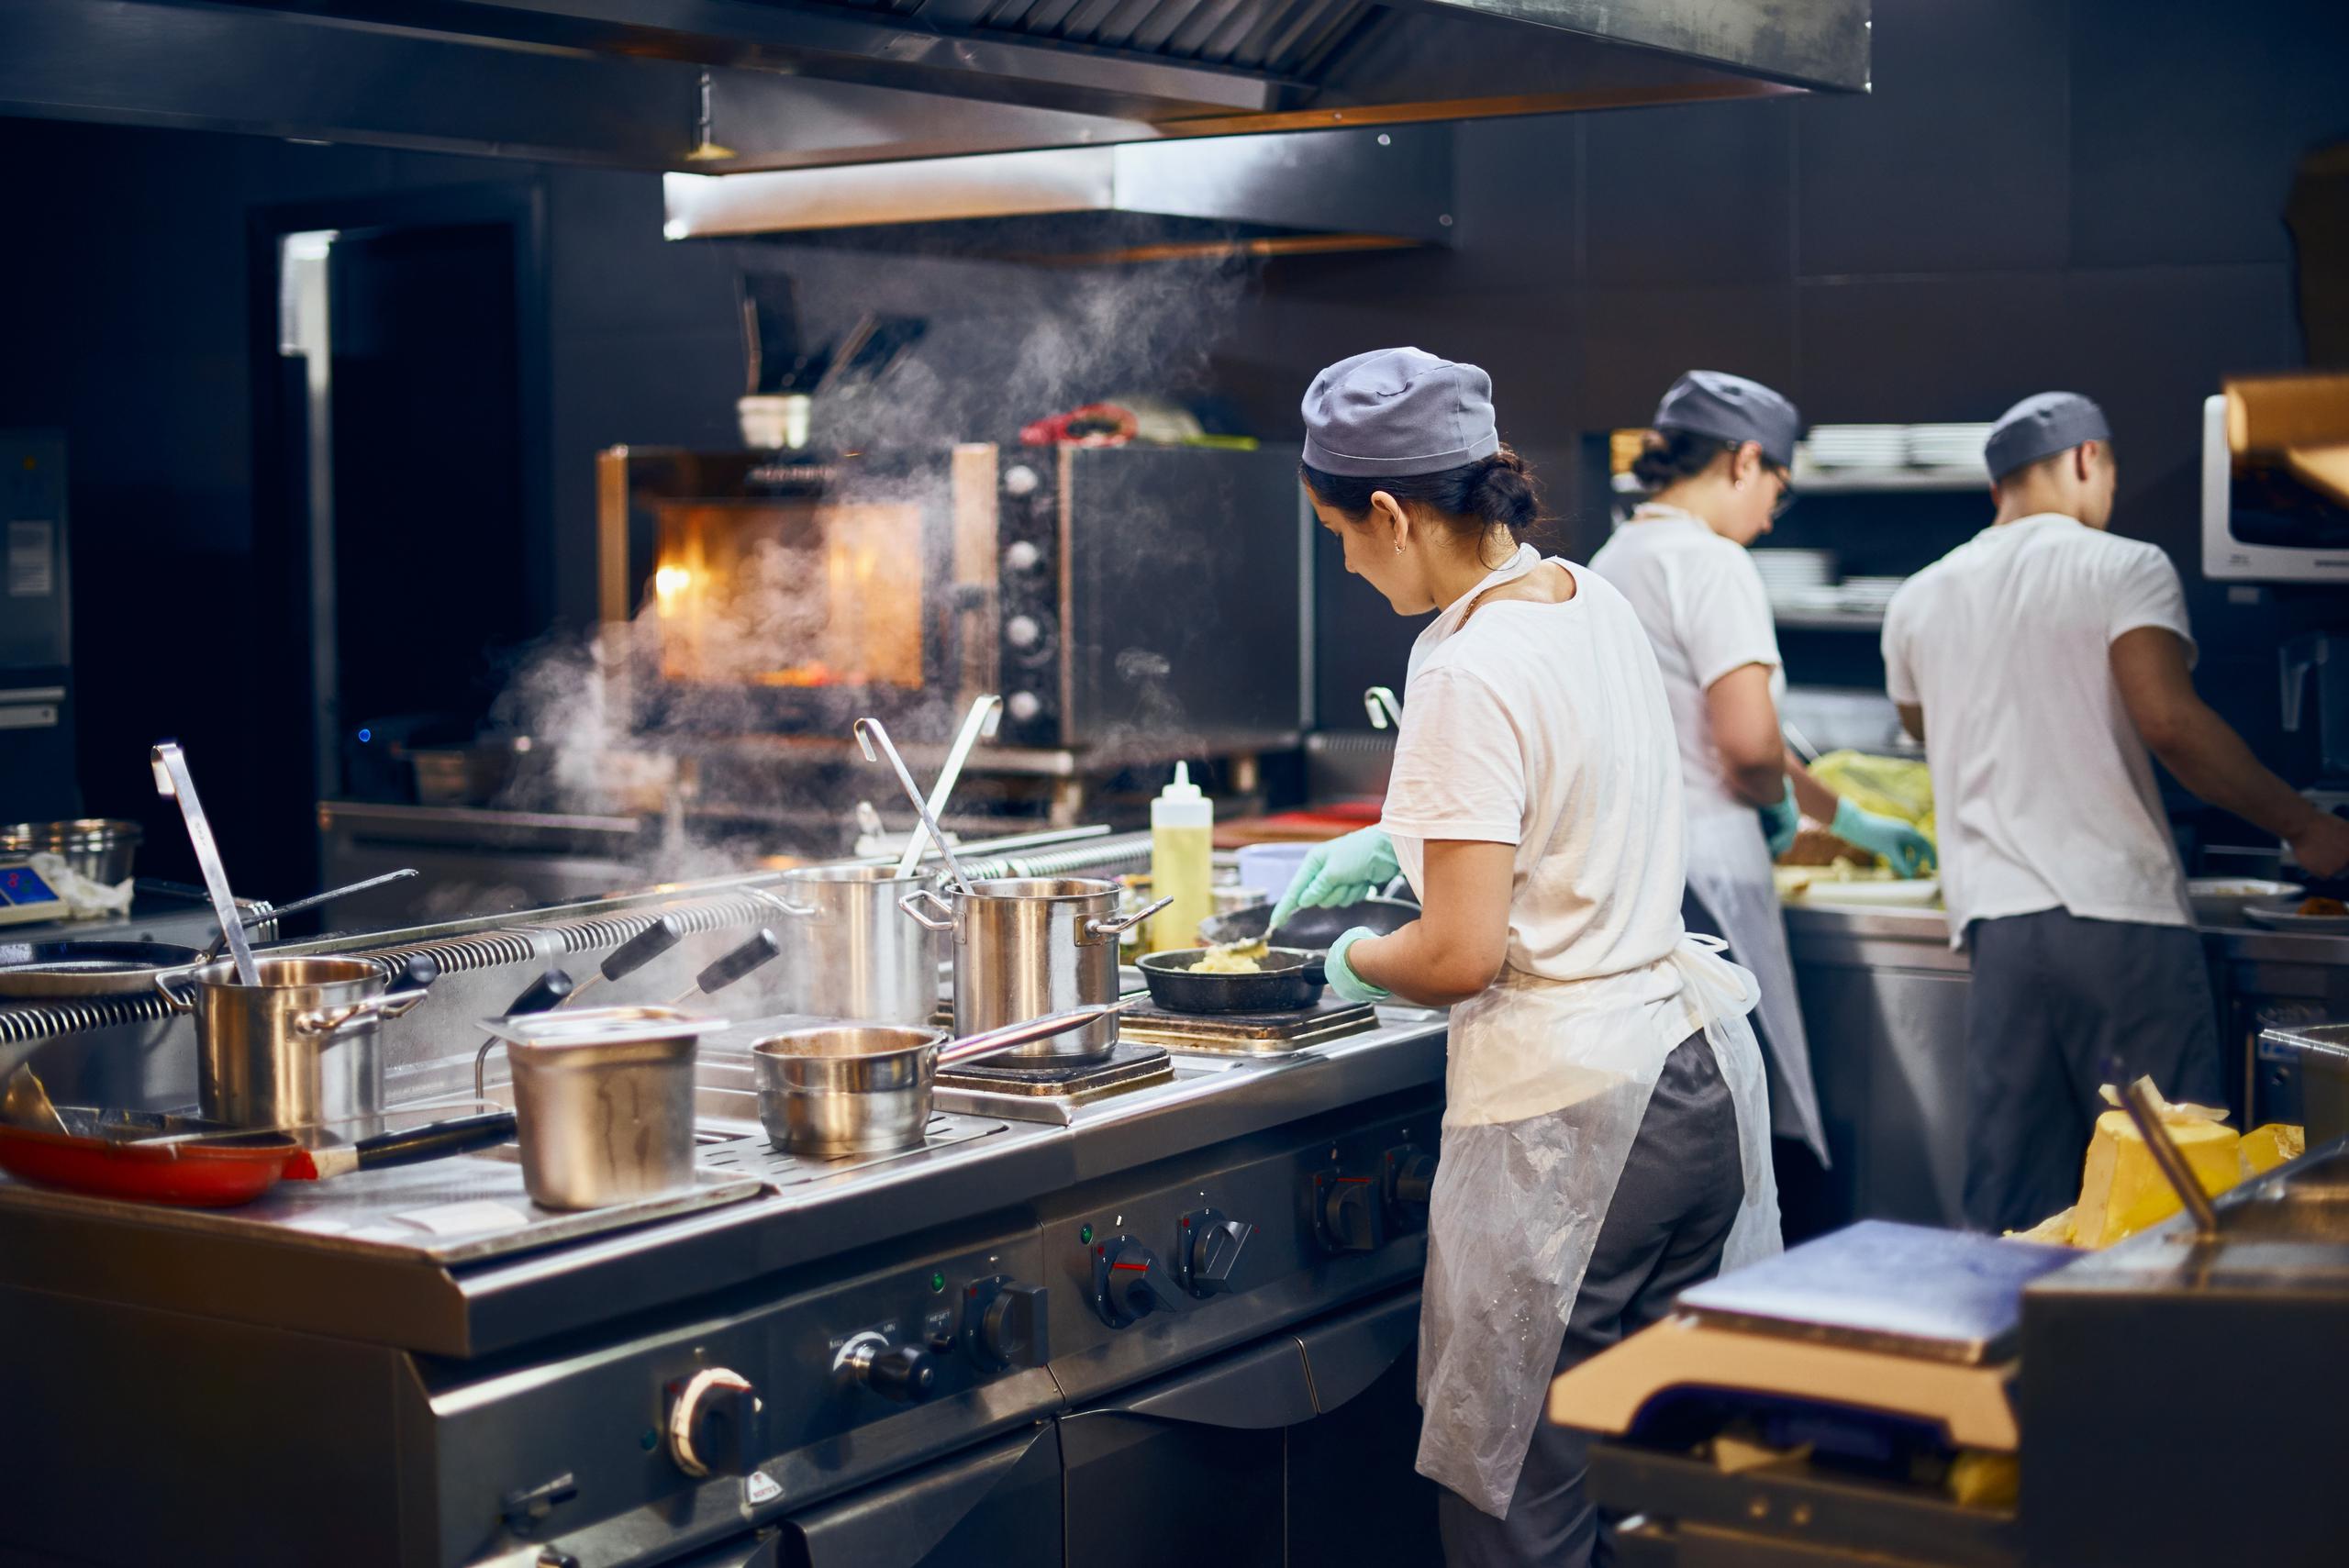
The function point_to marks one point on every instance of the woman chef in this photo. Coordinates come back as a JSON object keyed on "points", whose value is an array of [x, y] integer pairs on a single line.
{"points": [[1605, 1121], [1716, 468]]}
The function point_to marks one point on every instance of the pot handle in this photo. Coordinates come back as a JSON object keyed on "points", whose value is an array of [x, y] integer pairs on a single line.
{"points": [[769, 895], [972, 1047], [178, 1001], [925, 921], [334, 1020], [1117, 924]]}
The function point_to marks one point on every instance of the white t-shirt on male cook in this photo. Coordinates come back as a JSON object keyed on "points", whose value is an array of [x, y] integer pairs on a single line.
{"points": [[2043, 790], [1544, 726], [1702, 603]]}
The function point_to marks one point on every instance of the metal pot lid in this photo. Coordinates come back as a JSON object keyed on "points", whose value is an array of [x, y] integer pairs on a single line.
{"points": [[603, 1025]]}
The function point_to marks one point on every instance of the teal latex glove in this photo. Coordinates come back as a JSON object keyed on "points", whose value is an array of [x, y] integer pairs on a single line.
{"points": [[1343, 871], [1907, 852], [1781, 822], [1343, 978]]}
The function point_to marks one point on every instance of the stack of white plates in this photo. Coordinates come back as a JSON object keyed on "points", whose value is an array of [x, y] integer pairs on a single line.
{"points": [[1870, 594], [1947, 446], [1791, 577], [1859, 446]]}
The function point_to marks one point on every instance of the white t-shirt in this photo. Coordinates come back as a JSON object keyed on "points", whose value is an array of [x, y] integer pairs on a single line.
{"points": [[2042, 789], [1544, 726], [1703, 605]]}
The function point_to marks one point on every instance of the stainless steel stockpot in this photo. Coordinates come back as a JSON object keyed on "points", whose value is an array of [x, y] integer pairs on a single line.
{"points": [[866, 1088], [1025, 947], [847, 951], [301, 1048], [604, 1102]]}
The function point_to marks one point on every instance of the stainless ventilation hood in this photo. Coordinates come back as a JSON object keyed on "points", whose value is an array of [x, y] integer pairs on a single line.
{"points": [[724, 85]]}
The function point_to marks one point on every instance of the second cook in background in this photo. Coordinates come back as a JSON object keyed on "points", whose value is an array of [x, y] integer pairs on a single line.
{"points": [[1606, 1110], [1716, 469], [2039, 661]]}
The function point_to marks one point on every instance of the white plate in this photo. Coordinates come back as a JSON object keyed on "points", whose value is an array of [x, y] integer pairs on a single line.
{"points": [[1910, 893], [2287, 918]]}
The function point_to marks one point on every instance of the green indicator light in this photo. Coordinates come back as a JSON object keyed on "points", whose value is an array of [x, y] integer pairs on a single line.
{"points": [[937, 1283], [1085, 1235], [649, 1441]]}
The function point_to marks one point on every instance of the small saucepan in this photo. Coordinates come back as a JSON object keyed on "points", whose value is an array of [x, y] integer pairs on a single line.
{"points": [[1286, 980], [845, 1089]]}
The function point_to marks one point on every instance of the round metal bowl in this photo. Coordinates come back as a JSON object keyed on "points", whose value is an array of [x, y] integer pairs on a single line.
{"points": [[99, 848]]}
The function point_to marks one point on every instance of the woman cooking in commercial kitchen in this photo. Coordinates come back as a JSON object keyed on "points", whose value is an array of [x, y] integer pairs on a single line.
{"points": [[1717, 467], [1604, 1100]]}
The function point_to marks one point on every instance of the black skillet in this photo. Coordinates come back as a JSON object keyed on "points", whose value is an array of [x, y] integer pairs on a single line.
{"points": [[1287, 980]]}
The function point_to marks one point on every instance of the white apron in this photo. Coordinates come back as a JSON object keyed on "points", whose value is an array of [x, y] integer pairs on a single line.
{"points": [[1545, 1085], [1728, 869]]}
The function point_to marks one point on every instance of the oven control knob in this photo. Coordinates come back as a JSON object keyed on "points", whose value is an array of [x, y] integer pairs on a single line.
{"points": [[1021, 631], [1410, 1177], [1346, 1209], [1022, 555], [714, 1423], [1023, 706], [903, 1372], [1127, 1282], [1020, 480], [1004, 1323], [1211, 1248]]}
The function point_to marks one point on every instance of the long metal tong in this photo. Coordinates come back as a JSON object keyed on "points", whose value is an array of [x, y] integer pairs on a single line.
{"points": [[868, 732]]}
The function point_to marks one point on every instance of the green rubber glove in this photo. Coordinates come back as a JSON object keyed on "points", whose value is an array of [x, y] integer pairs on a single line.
{"points": [[1343, 978], [1343, 871], [1907, 852], [1781, 822]]}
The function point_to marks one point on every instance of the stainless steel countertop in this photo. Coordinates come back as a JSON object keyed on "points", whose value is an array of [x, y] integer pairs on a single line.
{"points": [[1814, 921], [240, 1266]]}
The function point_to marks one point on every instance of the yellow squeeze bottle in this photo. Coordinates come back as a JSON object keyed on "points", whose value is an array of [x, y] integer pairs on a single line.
{"points": [[1182, 832]]}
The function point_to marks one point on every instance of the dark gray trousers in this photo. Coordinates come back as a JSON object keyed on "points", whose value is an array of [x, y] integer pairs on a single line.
{"points": [[1673, 1206], [2059, 1007]]}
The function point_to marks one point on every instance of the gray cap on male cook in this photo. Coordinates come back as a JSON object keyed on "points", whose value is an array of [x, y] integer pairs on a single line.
{"points": [[1731, 408], [2041, 425], [1399, 411]]}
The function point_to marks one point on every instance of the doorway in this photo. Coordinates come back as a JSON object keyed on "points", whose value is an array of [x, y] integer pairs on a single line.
{"points": [[402, 442]]}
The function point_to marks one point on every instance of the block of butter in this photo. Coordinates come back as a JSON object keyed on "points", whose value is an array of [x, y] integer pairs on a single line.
{"points": [[2123, 1191], [2268, 1146]]}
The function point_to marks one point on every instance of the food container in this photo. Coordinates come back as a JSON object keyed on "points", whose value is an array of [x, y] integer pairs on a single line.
{"points": [[99, 848], [604, 1100], [866, 1088], [1025, 947], [302, 1046], [848, 952], [2221, 900]]}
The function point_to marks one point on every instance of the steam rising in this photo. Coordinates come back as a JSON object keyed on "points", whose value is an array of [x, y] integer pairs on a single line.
{"points": [[1007, 343]]}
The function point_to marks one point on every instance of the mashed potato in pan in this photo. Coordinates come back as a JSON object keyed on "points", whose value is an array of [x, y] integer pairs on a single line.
{"points": [[1240, 958]]}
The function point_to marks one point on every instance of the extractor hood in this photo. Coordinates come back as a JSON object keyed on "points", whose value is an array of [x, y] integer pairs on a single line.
{"points": [[726, 85]]}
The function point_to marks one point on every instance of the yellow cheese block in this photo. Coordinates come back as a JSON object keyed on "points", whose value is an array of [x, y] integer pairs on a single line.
{"points": [[2122, 1190], [2264, 1148]]}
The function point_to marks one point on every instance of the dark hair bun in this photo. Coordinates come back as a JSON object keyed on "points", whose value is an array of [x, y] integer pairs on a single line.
{"points": [[1672, 455], [1503, 492], [1492, 492]]}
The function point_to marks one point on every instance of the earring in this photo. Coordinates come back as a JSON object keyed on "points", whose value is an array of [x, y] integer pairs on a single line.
{"points": [[1399, 547]]}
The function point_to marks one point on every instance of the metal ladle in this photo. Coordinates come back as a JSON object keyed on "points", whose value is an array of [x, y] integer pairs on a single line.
{"points": [[985, 718], [263, 917], [1384, 711], [173, 780], [868, 731], [2140, 1100]]}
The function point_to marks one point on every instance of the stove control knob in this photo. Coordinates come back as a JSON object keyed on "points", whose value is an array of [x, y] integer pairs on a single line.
{"points": [[1023, 706], [1003, 1323], [1347, 1211], [1212, 1245], [1127, 1284], [1410, 1177], [1020, 480], [714, 1423], [903, 1372], [1022, 555], [1021, 631]]}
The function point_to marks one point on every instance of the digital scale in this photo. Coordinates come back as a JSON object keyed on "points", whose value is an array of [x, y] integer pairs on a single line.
{"points": [[26, 897]]}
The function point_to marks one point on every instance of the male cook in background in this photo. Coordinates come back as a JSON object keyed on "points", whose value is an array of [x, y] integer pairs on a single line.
{"points": [[2038, 661]]}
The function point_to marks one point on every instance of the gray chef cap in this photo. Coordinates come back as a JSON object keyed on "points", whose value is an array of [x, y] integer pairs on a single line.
{"points": [[2041, 425], [1731, 408], [1394, 412]]}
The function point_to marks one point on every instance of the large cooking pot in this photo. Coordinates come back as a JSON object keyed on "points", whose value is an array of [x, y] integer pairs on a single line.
{"points": [[865, 1088], [301, 1048], [847, 951], [1025, 947]]}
